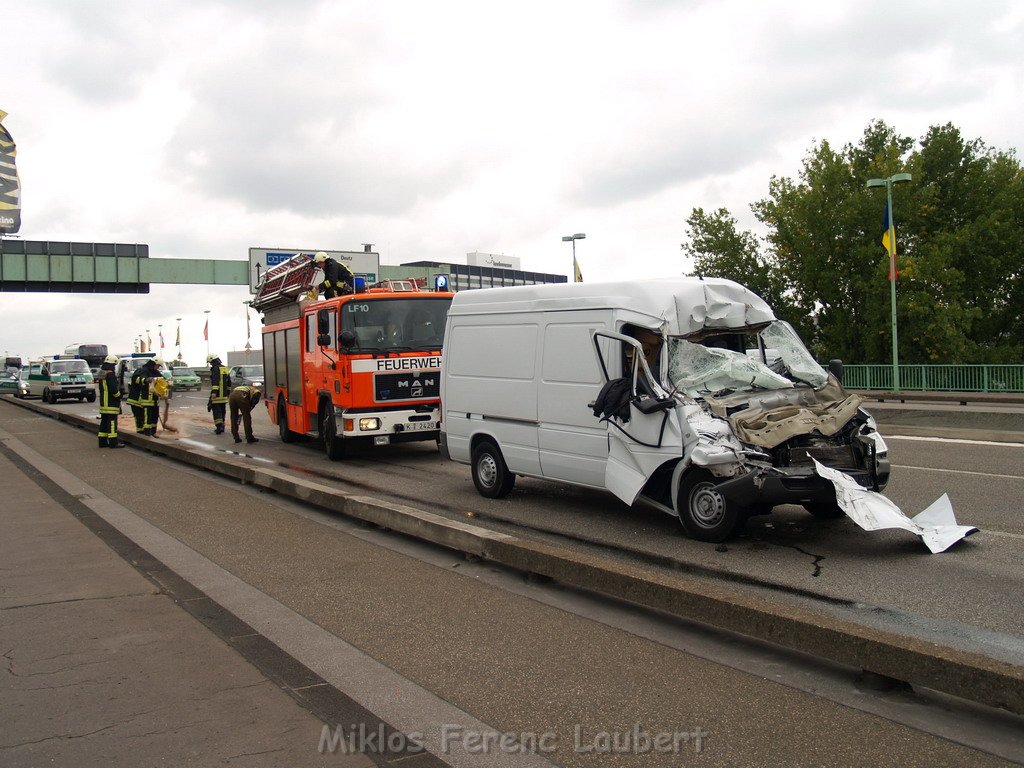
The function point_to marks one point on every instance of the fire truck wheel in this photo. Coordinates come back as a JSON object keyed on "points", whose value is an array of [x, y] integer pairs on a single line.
{"points": [[287, 436], [334, 446], [490, 473]]}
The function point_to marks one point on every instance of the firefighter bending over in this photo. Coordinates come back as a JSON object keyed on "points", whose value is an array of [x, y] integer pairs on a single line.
{"points": [[241, 401], [338, 279], [220, 386]]}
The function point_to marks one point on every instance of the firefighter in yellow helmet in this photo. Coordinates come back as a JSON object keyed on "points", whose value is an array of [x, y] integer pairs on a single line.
{"points": [[109, 396], [338, 279], [220, 387], [141, 396]]}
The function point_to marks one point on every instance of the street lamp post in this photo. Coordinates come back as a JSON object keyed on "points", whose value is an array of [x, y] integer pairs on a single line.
{"points": [[897, 178], [575, 266], [248, 333]]}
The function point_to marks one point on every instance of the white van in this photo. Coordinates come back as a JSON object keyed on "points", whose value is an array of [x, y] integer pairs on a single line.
{"points": [[706, 432]]}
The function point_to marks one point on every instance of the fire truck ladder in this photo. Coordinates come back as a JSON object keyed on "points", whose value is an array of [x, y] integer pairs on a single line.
{"points": [[285, 283]]}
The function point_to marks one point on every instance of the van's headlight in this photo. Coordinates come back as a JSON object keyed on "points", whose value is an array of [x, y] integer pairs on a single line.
{"points": [[369, 425]]}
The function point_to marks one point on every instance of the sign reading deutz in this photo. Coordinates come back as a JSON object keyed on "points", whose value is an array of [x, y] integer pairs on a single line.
{"points": [[362, 263]]}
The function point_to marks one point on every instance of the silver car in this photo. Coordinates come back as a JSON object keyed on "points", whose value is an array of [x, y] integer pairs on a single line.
{"points": [[248, 375]]}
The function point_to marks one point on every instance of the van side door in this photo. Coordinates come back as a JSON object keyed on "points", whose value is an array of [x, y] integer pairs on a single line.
{"points": [[573, 444]]}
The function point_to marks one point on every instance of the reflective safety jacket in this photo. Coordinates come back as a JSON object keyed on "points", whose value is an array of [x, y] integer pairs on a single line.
{"points": [[139, 392], [245, 396], [109, 394], [220, 384], [338, 278]]}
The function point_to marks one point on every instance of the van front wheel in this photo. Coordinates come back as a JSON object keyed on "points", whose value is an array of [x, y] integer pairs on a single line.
{"points": [[705, 513], [490, 473]]}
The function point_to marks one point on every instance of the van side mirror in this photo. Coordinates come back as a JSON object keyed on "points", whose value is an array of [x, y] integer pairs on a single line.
{"points": [[323, 324], [348, 339], [835, 367], [323, 340]]}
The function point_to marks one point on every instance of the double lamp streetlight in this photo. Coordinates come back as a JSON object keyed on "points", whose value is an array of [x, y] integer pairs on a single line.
{"points": [[577, 277]]}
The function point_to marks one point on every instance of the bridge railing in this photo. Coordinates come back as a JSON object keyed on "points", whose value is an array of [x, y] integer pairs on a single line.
{"points": [[937, 378]]}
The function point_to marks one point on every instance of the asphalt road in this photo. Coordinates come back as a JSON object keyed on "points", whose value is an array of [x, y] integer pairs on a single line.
{"points": [[499, 651], [883, 578]]}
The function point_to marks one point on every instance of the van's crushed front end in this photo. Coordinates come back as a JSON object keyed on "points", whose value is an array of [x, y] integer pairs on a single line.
{"points": [[777, 412], [769, 426]]}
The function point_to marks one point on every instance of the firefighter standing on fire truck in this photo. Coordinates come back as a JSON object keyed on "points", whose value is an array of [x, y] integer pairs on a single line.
{"points": [[109, 396], [220, 386], [338, 279]]}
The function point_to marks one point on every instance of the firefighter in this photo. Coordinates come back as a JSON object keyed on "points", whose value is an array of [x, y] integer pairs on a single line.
{"points": [[241, 402], [141, 399], [338, 279], [220, 386], [110, 404]]}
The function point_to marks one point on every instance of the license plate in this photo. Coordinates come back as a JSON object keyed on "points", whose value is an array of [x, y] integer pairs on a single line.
{"points": [[417, 426], [73, 391]]}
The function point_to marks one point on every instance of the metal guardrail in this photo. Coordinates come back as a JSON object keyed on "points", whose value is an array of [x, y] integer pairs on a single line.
{"points": [[937, 378]]}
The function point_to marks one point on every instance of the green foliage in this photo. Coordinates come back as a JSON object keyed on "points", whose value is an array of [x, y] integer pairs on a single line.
{"points": [[960, 243]]}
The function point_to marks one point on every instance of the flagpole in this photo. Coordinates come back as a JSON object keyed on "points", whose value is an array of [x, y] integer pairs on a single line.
{"points": [[887, 183]]}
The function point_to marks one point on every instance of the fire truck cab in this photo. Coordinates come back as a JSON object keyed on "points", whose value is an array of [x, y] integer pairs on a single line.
{"points": [[360, 367]]}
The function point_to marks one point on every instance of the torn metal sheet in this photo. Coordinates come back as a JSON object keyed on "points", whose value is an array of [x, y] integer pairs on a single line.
{"points": [[936, 526]]}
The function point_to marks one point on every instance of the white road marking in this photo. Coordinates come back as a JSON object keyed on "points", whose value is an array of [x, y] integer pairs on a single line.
{"points": [[958, 471], [951, 440]]}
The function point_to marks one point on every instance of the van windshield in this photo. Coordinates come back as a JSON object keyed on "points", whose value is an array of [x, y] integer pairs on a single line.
{"points": [[396, 325], [732, 361], [69, 366]]}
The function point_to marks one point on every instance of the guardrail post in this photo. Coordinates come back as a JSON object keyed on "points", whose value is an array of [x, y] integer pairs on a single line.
{"points": [[985, 378]]}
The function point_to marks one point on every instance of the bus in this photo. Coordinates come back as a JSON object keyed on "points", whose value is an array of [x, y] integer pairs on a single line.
{"points": [[93, 354]]}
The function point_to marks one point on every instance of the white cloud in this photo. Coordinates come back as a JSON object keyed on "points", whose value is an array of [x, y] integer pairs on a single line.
{"points": [[433, 129]]}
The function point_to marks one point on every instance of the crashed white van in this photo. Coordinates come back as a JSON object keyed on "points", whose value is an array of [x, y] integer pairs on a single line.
{"points": [[731, 417]]}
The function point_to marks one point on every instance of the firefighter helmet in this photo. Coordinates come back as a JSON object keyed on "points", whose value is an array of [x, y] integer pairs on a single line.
{"points": [[320, 257], [111, 359]]}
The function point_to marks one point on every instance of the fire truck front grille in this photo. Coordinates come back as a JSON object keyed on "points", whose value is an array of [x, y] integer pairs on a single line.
{"points": [[412, 385]]}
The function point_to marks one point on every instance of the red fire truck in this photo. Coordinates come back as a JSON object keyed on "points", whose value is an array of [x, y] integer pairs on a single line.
{"points": [[361, 367]]}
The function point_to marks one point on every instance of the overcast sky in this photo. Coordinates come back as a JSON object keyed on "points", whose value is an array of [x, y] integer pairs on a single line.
{"points": [[433, 129]]}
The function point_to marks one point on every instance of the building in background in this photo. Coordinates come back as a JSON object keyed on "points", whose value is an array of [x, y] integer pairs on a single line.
{"points": [[482, 270]]}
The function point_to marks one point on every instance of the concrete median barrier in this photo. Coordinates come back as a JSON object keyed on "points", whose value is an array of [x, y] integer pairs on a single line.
{"points": [[966, 675]]}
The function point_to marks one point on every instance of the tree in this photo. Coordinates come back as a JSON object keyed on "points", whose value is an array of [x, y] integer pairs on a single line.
{"points": [[960, 236]]}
